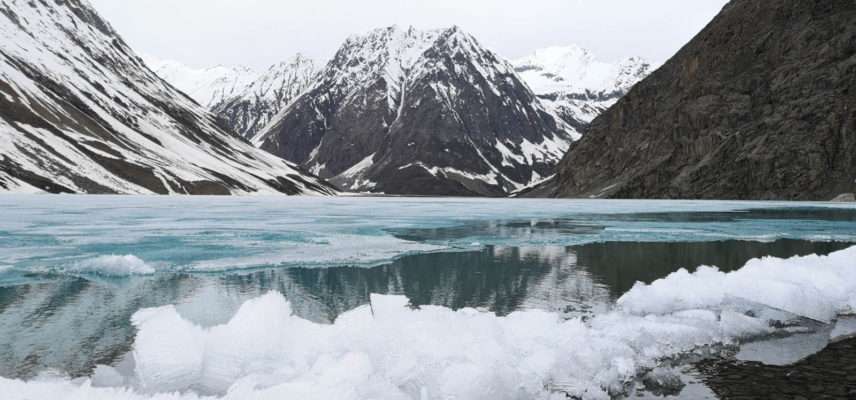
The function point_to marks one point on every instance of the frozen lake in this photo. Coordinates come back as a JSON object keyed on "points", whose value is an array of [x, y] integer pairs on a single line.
{"points": [[300, 297]]}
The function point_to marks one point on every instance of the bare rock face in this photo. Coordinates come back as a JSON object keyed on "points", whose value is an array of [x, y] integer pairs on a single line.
{"points": [[81, 113], [404, 111], [760, 105]]}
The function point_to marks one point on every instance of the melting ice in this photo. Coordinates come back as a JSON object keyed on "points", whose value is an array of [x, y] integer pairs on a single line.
{"points": [[77, 234], [388, 350]]}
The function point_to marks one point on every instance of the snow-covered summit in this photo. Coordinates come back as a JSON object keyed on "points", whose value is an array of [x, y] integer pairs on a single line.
{"points": [[392, 54], [208, 86], [575, 83], [409, 111], [572, 69], [245, 99]]}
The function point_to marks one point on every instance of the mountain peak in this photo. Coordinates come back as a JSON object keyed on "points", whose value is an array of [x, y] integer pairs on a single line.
{"points": [[562, 55], [297, 61], [573, 69], [409, 111], [401, 40], [456, 33], [250, 108], [394, 52], [575, 84]]}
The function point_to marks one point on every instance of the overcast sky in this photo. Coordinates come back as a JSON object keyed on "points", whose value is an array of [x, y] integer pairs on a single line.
{"points": [[258, 33]]}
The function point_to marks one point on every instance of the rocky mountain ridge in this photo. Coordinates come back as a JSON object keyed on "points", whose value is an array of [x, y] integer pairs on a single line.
{"points": [[252, 108]]}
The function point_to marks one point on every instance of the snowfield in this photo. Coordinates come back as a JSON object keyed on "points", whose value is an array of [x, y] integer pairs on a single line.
{"points": [[387, 350]]}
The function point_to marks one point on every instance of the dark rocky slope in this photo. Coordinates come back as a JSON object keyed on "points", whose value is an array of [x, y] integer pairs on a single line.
{"points": [[760, 105]]}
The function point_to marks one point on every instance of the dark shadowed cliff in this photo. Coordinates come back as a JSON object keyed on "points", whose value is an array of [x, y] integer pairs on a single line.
{"points": [[760, 105]]}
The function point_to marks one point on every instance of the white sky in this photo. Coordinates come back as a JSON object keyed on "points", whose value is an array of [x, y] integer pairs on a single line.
{"points": [[258, 33]]}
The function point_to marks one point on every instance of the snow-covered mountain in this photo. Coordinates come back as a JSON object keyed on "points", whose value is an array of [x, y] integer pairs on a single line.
{"points": [[244, 99], [81, 113], [404, 111], [208, 86], [575, 84], [251, 108]]}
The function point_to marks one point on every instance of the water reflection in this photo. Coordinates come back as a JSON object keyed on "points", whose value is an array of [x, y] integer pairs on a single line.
{"points": [[790, 213], [73, 323], [594, 224], [621, 265]]}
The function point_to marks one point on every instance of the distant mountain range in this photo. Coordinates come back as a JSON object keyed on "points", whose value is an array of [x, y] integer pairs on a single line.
{"points": [[569, 80], [81, 113], [397, 110], [465, 120]]}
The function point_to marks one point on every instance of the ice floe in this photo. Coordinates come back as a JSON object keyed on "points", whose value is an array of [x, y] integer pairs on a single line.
{"points": [[816, 287], [111, 265]]}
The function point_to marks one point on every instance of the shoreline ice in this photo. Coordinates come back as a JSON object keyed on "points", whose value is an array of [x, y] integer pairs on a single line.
{"points": [[389, 350]]}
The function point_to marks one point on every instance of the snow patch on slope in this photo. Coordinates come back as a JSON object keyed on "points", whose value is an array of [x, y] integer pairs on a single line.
{"points": [[359, 167], [9, 184], [445, 172]]}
